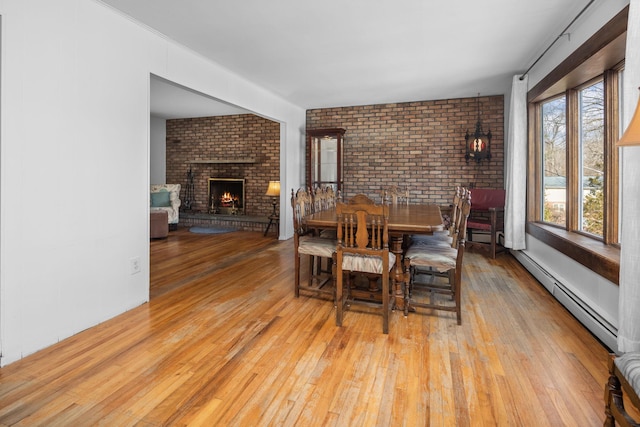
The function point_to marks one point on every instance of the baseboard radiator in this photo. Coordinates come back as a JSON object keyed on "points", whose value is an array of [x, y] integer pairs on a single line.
{"points": [[580, 309]]}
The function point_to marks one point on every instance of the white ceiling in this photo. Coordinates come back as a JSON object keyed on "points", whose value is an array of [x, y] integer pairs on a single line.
{"points": [[332, 53], [172, 101]]}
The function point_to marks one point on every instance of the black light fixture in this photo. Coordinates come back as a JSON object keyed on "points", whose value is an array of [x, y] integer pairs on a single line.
{"points": [[478, 145]]}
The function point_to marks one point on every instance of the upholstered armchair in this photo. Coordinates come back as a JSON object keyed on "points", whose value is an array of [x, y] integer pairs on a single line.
{"points": [[486, 217], [624, 378], [166, 197]]}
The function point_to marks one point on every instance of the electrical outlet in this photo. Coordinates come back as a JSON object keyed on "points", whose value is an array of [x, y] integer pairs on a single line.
{"points": [[135, 265]]}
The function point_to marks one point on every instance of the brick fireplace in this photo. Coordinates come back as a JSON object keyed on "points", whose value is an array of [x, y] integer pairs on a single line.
{"points": [[241, 147], [226, 196], [235, 148]]}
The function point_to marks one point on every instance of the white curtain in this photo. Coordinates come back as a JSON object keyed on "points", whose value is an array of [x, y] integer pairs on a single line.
{"points": [[629, 300], [516, 173]]}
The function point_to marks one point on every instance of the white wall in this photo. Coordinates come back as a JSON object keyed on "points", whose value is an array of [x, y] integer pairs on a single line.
{"points": [[601, 294], [74, 162], [158, 151]]}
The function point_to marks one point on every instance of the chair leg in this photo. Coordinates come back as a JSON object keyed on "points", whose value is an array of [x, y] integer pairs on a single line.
{"points": [[455, 285], [385, 302], [493, 243], [406, 286], [333, 278], [311, 269], [611, 391], [339, 280], [297, 275]]}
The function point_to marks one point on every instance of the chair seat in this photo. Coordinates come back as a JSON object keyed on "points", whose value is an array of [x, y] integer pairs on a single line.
{"points": [[365, 263], [438, 257], [432, 239], [329, 234], [629, 366], [479, 224], [316, 246]]}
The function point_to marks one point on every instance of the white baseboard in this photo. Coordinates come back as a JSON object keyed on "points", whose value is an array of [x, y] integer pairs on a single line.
{"points": [[581, 309]]}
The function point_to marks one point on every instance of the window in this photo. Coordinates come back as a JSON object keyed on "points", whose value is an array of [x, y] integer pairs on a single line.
{"points": [[554, 161], [574, 122], [572, 138], [591, 167]]}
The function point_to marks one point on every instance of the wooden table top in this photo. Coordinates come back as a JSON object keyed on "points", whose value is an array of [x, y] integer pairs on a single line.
{"points": [[406, 219]]}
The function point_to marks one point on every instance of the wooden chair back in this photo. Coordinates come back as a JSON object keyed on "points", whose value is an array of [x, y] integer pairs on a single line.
{"points": [[462, 208], [454, 210], [302, 205], [360, 199], [330, 198], [363, 228], [488, 198], [395, 194], [318, 199], [324, 198]]}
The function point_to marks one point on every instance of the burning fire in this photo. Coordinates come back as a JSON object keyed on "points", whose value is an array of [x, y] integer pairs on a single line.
{"points": [[228, 199]]}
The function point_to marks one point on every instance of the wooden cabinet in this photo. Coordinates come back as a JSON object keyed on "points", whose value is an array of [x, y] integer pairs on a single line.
{"points": [[324, 158]]}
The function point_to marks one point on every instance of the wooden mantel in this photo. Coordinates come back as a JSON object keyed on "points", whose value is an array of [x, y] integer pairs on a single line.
{"points": [[223, 161]]}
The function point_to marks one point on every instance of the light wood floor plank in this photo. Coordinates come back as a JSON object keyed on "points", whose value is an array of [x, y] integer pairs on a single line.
{"points": [[223, 341]]}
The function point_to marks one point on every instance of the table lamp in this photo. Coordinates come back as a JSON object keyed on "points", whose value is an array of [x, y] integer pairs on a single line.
{"points": [[274, 191], [632, 135]]}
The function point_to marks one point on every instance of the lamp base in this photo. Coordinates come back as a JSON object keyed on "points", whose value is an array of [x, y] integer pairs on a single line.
{"points": [[274, 219]]}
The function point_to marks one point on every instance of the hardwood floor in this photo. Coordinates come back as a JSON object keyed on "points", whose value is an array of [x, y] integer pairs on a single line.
{"points": [[223, 341]]}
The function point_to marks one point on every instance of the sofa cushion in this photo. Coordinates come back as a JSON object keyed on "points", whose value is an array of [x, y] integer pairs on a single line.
{"points": [[160, 199]]}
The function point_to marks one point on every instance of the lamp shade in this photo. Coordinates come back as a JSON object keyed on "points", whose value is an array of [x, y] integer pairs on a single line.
{"points": [[632, 135], [274, 189]]}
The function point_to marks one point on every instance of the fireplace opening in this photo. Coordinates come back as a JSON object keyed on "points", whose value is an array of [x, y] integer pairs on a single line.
{"points": [[226, 196]]}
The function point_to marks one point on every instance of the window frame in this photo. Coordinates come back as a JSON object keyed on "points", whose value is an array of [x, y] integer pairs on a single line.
{"points": [[602, 56]]}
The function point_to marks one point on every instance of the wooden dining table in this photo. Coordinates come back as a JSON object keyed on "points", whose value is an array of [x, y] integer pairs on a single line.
{"points": [[404, 220]]}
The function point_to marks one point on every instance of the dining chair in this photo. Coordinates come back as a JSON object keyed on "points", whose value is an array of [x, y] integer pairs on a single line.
{"points": [[324, 198], [624, 378], [317, 197], [445, 236], [328, 197], [362, 247], [486, 217], [442, 263], [305, 242], [395, 194]]}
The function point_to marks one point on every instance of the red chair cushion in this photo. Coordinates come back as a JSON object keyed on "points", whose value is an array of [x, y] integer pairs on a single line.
{"points": [[479, 225], [484, 198]]}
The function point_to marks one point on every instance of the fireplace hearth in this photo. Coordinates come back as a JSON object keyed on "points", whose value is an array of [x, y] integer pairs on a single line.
{"points": [[226, 196]]}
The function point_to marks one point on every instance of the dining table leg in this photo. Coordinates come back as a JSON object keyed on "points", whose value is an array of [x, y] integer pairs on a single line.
{"points": [[398, 275]]}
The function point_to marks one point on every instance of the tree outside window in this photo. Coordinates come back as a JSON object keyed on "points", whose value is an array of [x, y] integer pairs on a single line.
{"points": [[554, 152], [591, 101]]}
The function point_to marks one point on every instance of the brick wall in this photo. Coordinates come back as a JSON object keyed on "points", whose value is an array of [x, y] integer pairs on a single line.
{"points": [[420, 144], [237, 137], [417, 143]]}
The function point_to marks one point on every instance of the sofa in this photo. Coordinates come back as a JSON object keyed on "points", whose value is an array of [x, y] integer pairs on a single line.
{"points": [[166, 197]]}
